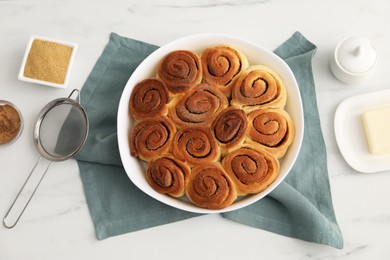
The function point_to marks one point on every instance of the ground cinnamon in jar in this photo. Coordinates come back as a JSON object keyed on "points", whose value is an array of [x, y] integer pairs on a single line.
{"points": [[10, 123], [48, 61]]}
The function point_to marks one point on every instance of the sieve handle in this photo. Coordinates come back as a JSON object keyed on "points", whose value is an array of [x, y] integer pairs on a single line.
{"points": [[77, 98], [25, 195]]}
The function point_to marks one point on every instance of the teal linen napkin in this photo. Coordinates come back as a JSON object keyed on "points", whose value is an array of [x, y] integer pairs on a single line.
{"points": [[300, 207]]}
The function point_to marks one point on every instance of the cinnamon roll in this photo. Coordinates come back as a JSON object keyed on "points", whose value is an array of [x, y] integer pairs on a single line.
{"points": [[258, 87], [180, 70], [230, 128], [152, 137], [272, 129], [198, 107], [196, 145], [221, 64], [251, 169], [210, 187], [167, 175], [149, 98]]}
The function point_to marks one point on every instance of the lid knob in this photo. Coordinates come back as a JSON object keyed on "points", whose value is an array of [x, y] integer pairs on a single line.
{"points": [[358, 51]]}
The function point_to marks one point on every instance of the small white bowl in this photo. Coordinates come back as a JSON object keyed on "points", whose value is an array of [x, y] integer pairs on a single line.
{"points": [[42, 82], [3, 103], [353, 60]]}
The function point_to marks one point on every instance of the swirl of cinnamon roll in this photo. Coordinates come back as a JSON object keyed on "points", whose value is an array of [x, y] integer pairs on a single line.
{"points": [[198, 107], [167, 175], [210, 187], [258, 87], [272, 129], [230, 128], [196, 145], [251, 169], [149, 98], [221, 64], [152, 137], [180, 70]]}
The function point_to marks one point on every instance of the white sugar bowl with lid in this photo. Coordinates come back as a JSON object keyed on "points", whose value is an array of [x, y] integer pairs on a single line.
{"points": [[353, 60]]}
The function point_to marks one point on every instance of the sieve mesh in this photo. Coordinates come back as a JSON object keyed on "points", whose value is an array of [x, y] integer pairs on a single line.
{"points": [[63, 130]]}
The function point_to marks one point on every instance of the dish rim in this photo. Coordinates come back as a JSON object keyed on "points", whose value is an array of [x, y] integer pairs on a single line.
{"points": [[214, 39]]}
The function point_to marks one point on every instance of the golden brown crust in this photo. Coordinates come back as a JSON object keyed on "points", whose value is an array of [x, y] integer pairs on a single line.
{"points": [[210, 187], [167, 175], [196, 145], [210, 127], [180, 70], [251, 169], [152, 137], [258, 87], [198, 107], [230, 128], [272, 129], [149, 98], [221, 64]]}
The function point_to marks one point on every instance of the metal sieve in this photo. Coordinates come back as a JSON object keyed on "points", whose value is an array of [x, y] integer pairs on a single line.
{"points": [[60, 131]]}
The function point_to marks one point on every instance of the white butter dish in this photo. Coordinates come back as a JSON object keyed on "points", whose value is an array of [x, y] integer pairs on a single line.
{"points": [[350, 135]]}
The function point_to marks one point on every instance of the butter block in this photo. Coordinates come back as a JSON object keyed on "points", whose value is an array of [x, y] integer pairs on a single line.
{"points": [[376, 123]]}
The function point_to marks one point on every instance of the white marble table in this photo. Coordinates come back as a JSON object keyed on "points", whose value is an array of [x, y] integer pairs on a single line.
{"points": [[57, 224]]}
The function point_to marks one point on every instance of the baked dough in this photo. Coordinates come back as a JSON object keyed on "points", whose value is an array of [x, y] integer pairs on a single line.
{"points": [[272, 129], [230, 128], [181, 70], [149, 98], [168, 175], [210, 187], [221, 64], [198, 107], [196, 145], [152, 137], [251, 169], [258, 87], [210, 127]]}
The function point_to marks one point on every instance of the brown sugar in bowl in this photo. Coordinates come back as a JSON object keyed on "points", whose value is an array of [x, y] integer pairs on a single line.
{"points": [[47, 62]]}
